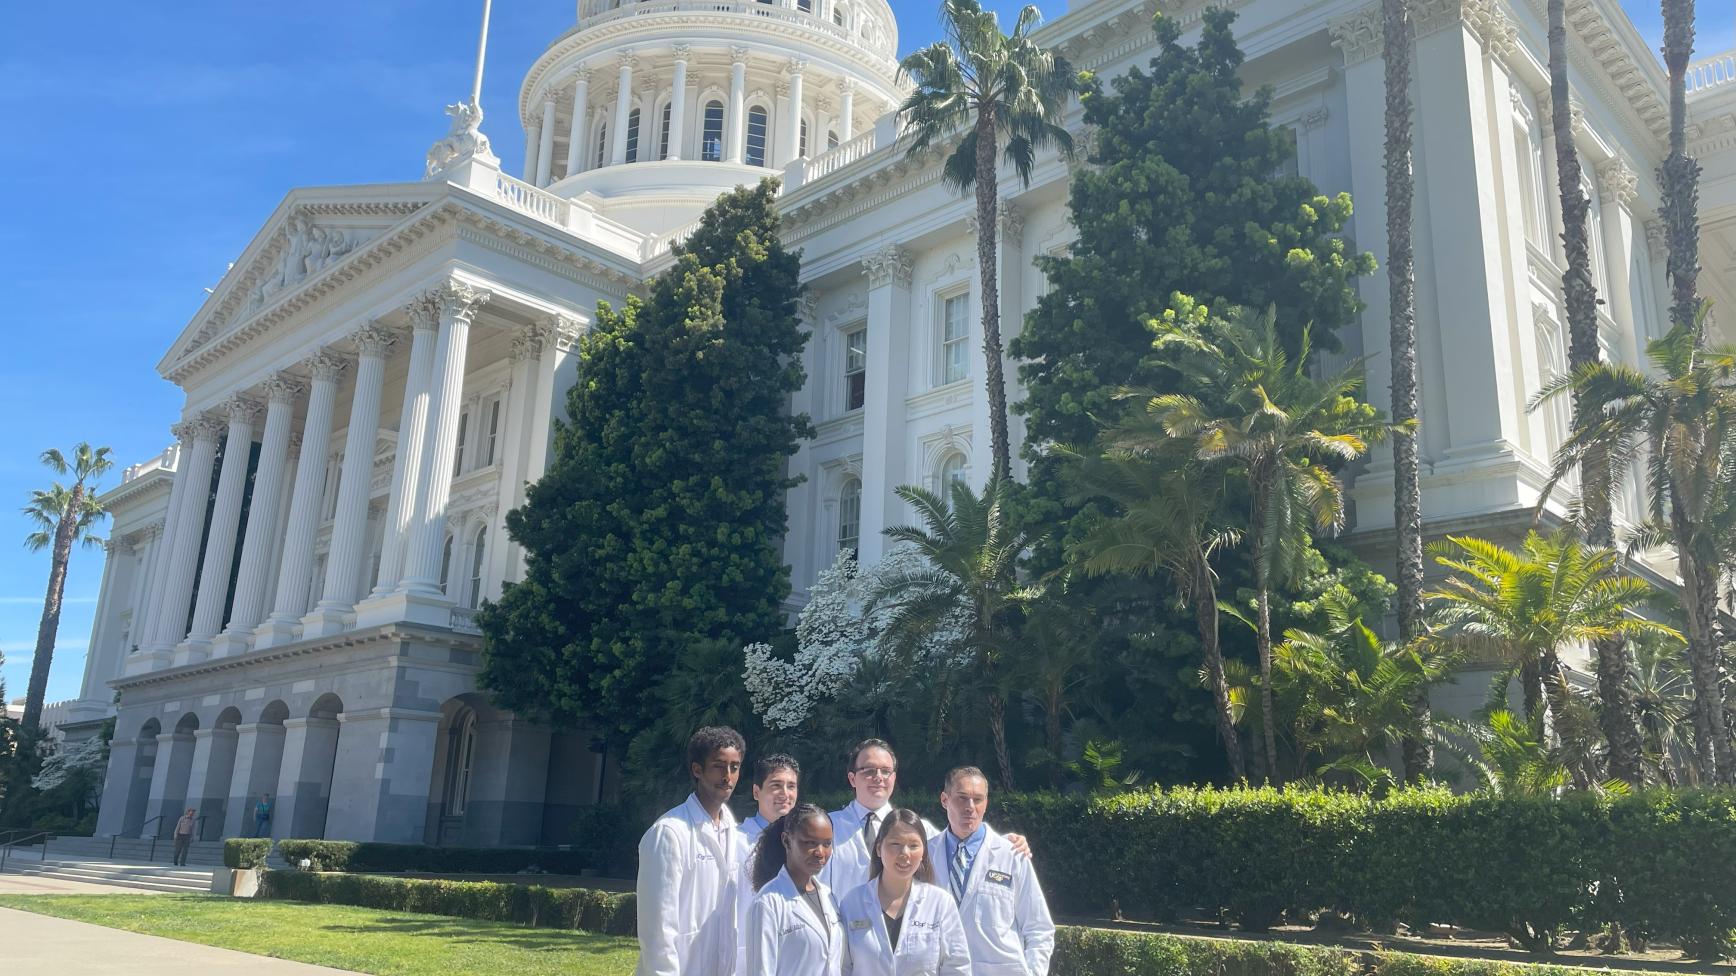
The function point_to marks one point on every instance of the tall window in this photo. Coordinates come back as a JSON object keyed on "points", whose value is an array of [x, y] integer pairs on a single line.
{"points": [[802, 143], [491, 439], [955, 339], [805, 6], [838, 16], [756, 136], [663, 136], [952, 471], [633, 136], [602, 141], [831, 138], [458, 451], [473, 596], [711, 140], [850, 517], [446, 562], [462, 761], [855, 368]]}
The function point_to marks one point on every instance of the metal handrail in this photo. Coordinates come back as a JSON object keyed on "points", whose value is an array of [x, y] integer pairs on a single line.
{"points": [[6, 848]]}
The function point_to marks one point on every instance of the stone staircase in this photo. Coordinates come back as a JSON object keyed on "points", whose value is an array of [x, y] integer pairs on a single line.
{"points": [[123, 862]]}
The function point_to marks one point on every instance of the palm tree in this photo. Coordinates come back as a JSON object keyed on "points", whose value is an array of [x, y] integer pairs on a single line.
{"points": [[1256, 408], [971, 551], [1679, 176], [1407, 495], [1527, 606], [1682, 417], [1001, 90], [62, 515], [1663, 696], [1167, 503]]}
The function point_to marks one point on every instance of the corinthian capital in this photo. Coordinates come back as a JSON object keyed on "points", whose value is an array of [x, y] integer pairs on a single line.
{"points": [[183, 431], [324, 367], [1616, 183], [372, 340], [281, 388], [240, 409], [627, 60], [889, 265], [457, 299]]}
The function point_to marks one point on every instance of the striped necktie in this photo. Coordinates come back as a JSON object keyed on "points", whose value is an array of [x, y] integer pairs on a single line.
{"points": [[960, 868]]}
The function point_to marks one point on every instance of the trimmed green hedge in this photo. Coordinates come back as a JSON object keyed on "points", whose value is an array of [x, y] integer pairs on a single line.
{"points": [[560, 908], [343, 855], [246, 852], [1095, 952]]}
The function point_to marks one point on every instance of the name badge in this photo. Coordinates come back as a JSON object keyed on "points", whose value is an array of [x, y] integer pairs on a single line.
{"points": [[1001, 878], [860, 924]]}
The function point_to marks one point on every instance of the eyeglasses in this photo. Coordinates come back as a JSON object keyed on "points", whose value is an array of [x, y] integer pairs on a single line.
{"points": [[878, 772]]}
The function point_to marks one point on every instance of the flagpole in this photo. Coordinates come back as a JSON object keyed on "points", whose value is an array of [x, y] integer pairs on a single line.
{"points": [[481, 51]]}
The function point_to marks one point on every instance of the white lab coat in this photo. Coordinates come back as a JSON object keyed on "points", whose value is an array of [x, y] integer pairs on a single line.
{"points": [[850, 848], [1006, 920], [784, 938], [750, 831], [931, 941], [687, 894]]}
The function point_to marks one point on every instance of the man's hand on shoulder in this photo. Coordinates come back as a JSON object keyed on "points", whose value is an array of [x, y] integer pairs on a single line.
{"points": [[1021, 846]]}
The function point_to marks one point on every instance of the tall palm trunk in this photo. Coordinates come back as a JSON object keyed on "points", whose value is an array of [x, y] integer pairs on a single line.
{"points": [[987, 202], [65, 532], [1205, 603], [1679, 177], [1712, 752], [998, 728], [1407, 496], [1579, 296], [1559, 696], [1261, 484]]}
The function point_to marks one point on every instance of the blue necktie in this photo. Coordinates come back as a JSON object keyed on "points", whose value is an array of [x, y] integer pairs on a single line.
{"points": [[960, 868]]}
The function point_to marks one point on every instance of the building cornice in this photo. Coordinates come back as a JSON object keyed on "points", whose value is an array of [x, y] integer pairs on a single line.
{"points": [[402, 631]]}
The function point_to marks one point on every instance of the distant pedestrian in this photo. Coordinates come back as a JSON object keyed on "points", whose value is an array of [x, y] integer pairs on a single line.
{"points": [[262, 816], [184, 835]]}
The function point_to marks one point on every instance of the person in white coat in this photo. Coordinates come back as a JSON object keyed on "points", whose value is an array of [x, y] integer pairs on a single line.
{"points": [[688, 865], [793, 928], [899, 923], [776, 784], [1006, 920]]}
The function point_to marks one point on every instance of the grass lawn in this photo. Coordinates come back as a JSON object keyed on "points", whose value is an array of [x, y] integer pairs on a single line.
{"points": [[362, 939]]}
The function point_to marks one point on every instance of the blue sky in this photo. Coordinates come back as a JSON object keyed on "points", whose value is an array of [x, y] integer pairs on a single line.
{"points": [[150, 140]]}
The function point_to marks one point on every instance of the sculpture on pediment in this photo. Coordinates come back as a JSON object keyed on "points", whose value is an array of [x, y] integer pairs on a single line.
{"points": [[463, 141], [308, 249]]}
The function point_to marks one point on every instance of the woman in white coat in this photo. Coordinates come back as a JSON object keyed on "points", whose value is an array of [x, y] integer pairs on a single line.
{"points": [[899, 923], [793, 927]]}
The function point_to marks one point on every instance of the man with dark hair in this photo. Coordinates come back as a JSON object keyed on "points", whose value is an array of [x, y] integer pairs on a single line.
{"points": [[1006, 920], [776, 784], [687, 868]]}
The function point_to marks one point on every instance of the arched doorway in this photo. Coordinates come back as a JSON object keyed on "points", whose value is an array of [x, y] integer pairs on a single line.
{"points": [[258, 762], [139, 790], [169, 777], [310, 751], [455, 767], [213, 767]]}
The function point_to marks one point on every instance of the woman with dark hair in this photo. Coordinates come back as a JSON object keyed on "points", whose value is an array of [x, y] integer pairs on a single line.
{"points": [[899, 923], [793, 927]]}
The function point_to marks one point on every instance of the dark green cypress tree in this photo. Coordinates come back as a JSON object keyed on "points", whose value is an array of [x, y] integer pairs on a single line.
{"points": [[658, 525], [1182, 194]]}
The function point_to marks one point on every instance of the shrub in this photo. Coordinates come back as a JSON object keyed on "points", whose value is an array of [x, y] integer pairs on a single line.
{"points": [[246, 852], [1094, 952], [562, 908], [321, 855]]}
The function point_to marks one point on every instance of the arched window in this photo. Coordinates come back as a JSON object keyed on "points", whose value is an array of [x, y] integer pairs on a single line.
{"points": [[850, 516], [802, 143], [446, 562], [756, 136], [711, 140], [473, 596], [832, 139], [805, 6], [602, 141], [952, 471], [838, 15], [462, 761], [633, 136], [663, 136]]}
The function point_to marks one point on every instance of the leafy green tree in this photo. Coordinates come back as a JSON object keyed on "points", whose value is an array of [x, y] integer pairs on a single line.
{"points": [[1184, 193], [654, 538], [1249, 404], [62, 515], [1007, 94], [971, 551]]}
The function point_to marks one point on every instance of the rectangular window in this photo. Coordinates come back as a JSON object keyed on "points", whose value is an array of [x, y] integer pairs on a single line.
{"points": [[711, 140], [493, 438], [955, 339], [458, 452], [633, 136], [855, 369], [663, 136], [756, 136], [850, 516]]}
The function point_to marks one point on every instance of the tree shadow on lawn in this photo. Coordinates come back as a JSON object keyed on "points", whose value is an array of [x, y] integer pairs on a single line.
{"points": [[495, 933]]}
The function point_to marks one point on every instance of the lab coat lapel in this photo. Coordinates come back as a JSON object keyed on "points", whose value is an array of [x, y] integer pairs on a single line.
{"points": [[979, 866], [805, 913], [723, 848]]}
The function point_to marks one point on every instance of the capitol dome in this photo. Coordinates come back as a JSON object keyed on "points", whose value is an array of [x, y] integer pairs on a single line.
{"points": [[651, 109]]}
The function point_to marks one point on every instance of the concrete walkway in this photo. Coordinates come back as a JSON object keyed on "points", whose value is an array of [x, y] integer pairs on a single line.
{"points": [[30, 884], [37, 945]]}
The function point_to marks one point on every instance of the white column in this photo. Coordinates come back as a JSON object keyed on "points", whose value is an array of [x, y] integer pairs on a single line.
{"points": [[146, 613], [103, 637], [522, 397], [274, 558], [147, 554], [562, 338], [262, 518], [576, 134], [545, 149], [846, 109], [883, 427], [737, 105], [792, 138], [459, 303], [678, 101], [284, 624], [623, 103], [343, 576], [1617, 189], [532, 140], [183, 560], [225, 525], [407, 465]]}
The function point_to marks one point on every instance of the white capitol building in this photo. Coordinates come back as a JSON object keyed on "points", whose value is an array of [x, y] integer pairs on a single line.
{"points": [[373, 383]]}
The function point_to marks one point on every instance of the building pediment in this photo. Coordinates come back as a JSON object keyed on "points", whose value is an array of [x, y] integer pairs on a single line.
{"points": [[312, 233]]}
